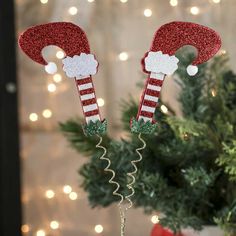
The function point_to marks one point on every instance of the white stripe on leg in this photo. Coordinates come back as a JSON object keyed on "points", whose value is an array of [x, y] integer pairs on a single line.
{"points": [[82, 77], [154, 87], [158, 76], [151, 98], [87, 96], [85, 86], [148, 109], [90, 107]]}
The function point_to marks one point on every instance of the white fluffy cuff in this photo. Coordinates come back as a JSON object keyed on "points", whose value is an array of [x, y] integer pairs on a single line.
{"points": [[82, 65], [158, 62]]}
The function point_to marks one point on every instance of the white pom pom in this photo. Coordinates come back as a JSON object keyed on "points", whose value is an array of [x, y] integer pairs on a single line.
{"points": [[82, 65], [51, 68], [158, 62], [192, 70]]}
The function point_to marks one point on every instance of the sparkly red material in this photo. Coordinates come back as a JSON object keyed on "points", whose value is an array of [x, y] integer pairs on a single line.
{"points": [[168, 39], [91, 113], [149, 103], [172, 36], [73, 41], [69, 37]]}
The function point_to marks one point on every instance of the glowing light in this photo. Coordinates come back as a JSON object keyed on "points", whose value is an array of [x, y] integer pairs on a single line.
{"points": [[25, 228], [124, 1], [155, 219], [194, 10], [44, 1], [51, 68], [40, 233], [33, 117], [173, 3], [47, 113], [57, 78], [90, 0], [73, 11], [73, 196], [100, 102], [49, 194], [147, 12], [216, 1], [213, 92], [52, 88], [98, 229], [185, 136], [54, 224], [123, 56], [60, 54], [67, 189], [222, 52], [164, 109]]}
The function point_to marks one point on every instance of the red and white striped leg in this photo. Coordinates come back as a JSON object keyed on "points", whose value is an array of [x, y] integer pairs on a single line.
{"points": [[88, 98], [150, 96]]}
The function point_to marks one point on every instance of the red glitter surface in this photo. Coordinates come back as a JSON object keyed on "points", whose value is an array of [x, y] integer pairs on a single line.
{"points": [[89, 102], [149, 103], [147, 91], [84, 81], [69, 37], [92, 113], [172, 36], [86, 91], [146, 114]]}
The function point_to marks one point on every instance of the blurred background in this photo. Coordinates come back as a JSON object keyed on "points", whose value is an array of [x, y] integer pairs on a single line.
{"points": [[119, 32]]}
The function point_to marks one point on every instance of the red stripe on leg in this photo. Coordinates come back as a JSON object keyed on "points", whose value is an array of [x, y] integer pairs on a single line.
{"points": [[91, 113], [86, 91], [153, 93], [146, 114], [89, 101], [84, 81], [155, 82], [149, 103]]}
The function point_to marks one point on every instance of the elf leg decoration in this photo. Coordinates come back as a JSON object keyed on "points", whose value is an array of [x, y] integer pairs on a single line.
{"points": [[161, 61], [78, 64]]}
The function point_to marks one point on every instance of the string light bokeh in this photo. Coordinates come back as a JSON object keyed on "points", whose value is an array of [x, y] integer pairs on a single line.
{"points": [[123, 56], [194, 10], [155, 219], [147, 12], [120, 32], [73, 10]]}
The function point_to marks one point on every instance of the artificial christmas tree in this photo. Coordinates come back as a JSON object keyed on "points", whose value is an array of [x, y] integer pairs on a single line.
{"points": [[188, 170]]}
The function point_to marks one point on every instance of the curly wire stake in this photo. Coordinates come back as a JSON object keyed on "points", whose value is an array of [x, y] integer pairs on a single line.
{"points": [[132, 174], [111, 181]]}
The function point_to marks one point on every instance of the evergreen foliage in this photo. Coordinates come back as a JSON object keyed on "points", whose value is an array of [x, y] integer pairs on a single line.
{"points": [[188, 170]]}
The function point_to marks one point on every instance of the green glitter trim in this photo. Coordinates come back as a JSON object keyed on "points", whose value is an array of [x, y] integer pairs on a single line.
{"points": [[93, 128], [142, 127]]}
